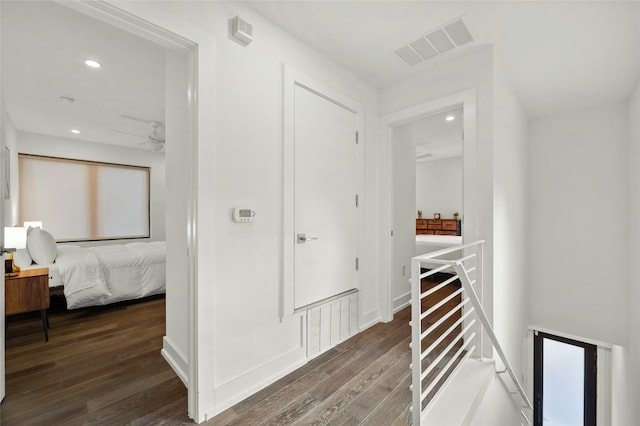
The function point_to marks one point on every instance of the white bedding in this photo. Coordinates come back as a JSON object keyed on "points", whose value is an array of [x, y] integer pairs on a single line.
{"points": [[429, 243], [107, 274]]}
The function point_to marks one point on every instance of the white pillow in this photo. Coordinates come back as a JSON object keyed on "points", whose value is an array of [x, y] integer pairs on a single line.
{"points": [[22, 258], [41, 246]]}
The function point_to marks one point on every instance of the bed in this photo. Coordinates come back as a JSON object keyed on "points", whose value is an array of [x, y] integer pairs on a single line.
{"points": [[429, 243], [107, 274]]}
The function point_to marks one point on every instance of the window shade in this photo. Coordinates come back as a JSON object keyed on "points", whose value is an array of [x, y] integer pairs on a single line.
{"points": [[83, 200]]}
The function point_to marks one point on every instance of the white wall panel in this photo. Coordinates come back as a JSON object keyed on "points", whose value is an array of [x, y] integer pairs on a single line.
{"points": [[246, 164], [578, 223]]}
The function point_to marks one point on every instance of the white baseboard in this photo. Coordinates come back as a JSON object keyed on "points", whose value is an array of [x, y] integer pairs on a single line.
{"points": [[369, 319], [401, 302], [176, 360], [245, 385]]}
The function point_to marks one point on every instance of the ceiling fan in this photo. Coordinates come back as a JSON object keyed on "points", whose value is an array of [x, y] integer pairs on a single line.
{"points": [[155, 139]]}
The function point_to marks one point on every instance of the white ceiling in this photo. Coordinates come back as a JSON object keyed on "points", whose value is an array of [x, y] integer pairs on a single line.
{"points": [[44, 46], [435, 135], [559, 55]]}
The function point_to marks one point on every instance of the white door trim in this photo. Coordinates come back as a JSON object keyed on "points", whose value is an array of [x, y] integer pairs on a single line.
{"points": [[467, 99], [293, 77], [162, 28]]}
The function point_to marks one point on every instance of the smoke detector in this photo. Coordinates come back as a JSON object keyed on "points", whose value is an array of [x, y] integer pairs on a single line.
{"points": [[241, 31]]}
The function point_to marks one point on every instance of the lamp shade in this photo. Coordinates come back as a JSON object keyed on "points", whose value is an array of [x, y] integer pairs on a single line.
{"points": [[33, 224], [15, 237]]}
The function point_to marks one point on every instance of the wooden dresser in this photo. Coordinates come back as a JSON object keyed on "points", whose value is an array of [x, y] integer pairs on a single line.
{"points": [[437, 227]]}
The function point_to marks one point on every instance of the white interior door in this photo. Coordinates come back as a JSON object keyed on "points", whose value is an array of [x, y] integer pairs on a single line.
{"points": [[324, 198]]}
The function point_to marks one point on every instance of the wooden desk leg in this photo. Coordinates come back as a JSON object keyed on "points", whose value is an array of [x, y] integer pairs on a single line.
{"points": [[45, 321]]}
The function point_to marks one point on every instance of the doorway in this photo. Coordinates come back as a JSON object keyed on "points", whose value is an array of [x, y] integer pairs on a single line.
{"points": [[565, 381], [392, 297], [329, 228], [427, 188], [183, 121], [325, 186]]}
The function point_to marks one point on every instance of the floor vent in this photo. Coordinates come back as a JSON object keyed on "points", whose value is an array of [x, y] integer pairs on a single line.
{"points": [[331, 323], [435, 42]]}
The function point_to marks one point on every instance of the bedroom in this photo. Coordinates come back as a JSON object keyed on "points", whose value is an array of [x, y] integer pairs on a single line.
{"points": [[427, 195], [111, 107], [67, 111]]}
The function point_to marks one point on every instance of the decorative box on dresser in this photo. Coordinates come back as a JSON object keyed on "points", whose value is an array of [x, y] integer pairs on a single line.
{"points": [[27, 291], [438, 227]]}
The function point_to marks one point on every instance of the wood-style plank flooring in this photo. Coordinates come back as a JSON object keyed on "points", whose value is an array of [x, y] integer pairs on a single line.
{"points": [[102, 366], [363, 381]]}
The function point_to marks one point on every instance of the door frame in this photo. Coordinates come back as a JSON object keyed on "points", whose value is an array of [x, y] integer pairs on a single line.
{"points": [[466, 99], [590, 377], [162, 28], [293, 77], [605, 369]]}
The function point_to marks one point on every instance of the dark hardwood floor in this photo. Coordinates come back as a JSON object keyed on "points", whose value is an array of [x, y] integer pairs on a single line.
{"points": [[102, 366]]}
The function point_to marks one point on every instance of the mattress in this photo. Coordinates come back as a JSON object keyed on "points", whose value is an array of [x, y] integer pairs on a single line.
{"points": [[439, 240], [105, 274], [429, 243]]}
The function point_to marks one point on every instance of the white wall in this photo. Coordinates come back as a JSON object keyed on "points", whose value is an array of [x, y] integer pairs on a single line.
{"points": [[404, 213], [510, 222], [472, 71], [439, 187], [626, 361], [497, 408], [578, 221], [252, 346], [52, 146], [10, 140], [176, 340]]}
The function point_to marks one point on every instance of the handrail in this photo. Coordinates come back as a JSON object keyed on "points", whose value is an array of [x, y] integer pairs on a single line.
{"points": [[489, 330], [476, 307]]}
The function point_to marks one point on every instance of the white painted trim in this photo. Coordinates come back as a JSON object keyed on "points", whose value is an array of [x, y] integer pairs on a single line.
{"points": [[368, 320], [293, 77], [176, 360], [250, 382], [598, 343], [161, 27], [603, 387], [467, 99], [401, 302], [603, 379]]}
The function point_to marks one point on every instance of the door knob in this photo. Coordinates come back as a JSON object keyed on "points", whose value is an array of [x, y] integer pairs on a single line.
{"points": [[302, 238]]}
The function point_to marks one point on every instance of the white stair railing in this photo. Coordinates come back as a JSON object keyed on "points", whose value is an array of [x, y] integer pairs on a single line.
{"points": [[467, 323]]}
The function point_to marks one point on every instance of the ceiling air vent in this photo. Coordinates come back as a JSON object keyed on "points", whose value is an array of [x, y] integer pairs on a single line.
{"points": [[435, 42], [408, 55]]}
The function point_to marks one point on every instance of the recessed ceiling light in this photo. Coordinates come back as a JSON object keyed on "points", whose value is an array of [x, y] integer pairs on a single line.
{"points": [[92, 64], [76, 131], [450, 118]]}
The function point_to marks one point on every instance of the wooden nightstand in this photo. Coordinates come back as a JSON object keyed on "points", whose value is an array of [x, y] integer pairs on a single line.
{"points": [[28, 291]]}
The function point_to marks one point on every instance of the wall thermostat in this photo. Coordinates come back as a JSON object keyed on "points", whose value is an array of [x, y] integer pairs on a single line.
{"points": [[243, 215]]}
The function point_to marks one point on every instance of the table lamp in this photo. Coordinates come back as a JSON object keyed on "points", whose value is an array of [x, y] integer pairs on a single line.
{"points": [[14, 238]]}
